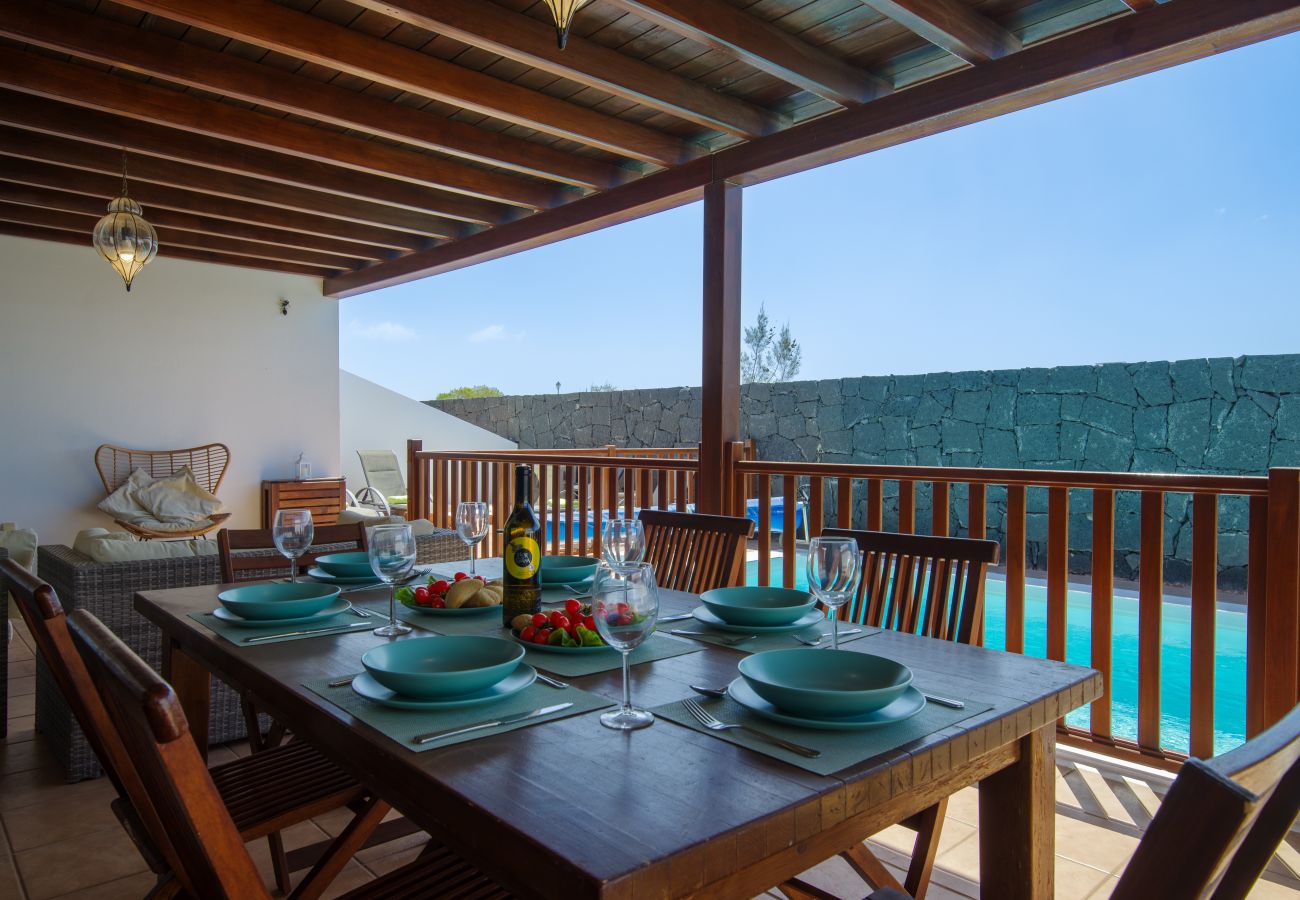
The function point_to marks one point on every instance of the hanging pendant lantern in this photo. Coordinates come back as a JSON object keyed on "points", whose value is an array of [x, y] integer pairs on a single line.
{"points": [[123, 237], [564, 11]]}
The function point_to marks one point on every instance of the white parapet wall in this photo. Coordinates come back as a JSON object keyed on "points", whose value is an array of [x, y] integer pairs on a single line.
{"points": [[372, 417]]}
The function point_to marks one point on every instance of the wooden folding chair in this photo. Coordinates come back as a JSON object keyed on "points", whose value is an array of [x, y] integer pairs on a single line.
{"points": [[927, 585], [693, 552], [238, 562], [1218, 826], [263, 793], [211, 860]]}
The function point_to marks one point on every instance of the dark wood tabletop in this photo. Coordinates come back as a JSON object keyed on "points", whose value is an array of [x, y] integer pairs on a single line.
{"points": [[571, 809]]}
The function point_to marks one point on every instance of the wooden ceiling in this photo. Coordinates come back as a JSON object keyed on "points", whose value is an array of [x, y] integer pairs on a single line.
{"points": [[371, 142]]}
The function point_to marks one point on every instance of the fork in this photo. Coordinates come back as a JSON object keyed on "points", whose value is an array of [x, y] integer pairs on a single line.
{"points": [[714, 724], [721, 639], [816, 642]]}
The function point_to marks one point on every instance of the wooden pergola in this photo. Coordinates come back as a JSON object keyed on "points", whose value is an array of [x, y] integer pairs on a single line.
{"points": [[373, 142]]}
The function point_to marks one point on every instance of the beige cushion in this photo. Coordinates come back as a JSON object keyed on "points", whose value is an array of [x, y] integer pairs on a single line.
{"points": [[115, 547], [354, 514], [147, 524], [124, 504], [178, 498], [21, 544]]}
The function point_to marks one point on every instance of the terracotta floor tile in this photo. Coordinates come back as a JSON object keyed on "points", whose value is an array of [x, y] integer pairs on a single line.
{"points": [[1075, 881], [23, 756], [97, 858], [21, 728], [22, 706], [19, 650], [132, 887], [353, 876], [58, 817], [21, 685], [22, 668], [1091, 842]]}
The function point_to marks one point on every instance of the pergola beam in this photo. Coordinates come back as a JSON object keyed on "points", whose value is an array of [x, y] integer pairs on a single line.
{"points": [[952, 25], [532, 42], [718, 24], [1103, 54], [307, 37], [96, 38]]}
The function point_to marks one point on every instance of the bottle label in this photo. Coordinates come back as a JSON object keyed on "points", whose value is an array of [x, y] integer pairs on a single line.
{"points": [[523, 557]]}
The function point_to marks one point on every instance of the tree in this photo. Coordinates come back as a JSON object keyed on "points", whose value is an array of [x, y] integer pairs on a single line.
{"points": [[465, 393], [603, 387], [769, 356]]}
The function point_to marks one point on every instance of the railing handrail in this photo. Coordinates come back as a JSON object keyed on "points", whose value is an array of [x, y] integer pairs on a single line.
{"points": [[611, 451], [555, 459], [1245, 485]]}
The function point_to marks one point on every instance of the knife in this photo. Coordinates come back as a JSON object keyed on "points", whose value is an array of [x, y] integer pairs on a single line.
{"points": [[508, 720], [288, 634]]}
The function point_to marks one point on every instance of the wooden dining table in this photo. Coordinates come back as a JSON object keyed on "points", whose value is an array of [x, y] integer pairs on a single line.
{"points": [[568, 808]]}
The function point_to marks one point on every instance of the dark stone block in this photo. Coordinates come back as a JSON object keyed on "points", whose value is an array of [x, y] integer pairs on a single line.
{"points": [[1154, 461], [927, 436], [1288, 418], [1038, 443], [1242, 444], [960, 436], [1221, 377], [1189, 431], [1115, 383], [1285, 454], [896, 433], [1072, 380], [911, 385], [1154, 386], [929, 411], [762, 426], [1150, 428], [1038, 409], [1113, 417], [791, 426], [1002, 407], [1267, 402], [840, 441], [1191, 378], [970, 406], [972, 381], [1271, 374], [936, 381], [1074, 440], [1000, 450], [874, 388], [868, 437]]}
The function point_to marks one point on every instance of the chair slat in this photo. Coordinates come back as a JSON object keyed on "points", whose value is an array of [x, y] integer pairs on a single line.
{"points": [[694, 552]]}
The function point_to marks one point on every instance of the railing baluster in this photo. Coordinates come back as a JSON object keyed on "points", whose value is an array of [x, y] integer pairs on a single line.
{"points": [[764, 530], [583, 511], [1058, 568], [844, 503], [939, 508], [977, 510], [907, 507], [597, 503], [1016, 568], [556, 500], [1256, 621], [569, 500], [665, 485], [815, 511], [875, 505], [1103, 583], [1150, 597], [611, 490], [1205, 574], [790, 508], [643, 488], [543, 512]]}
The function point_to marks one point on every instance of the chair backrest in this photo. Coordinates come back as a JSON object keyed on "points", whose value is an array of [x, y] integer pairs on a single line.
{"points": [[921, 584], [40, 608], [211, 860], [1220, 822], [241, 566], [208, 463], [382, 471], [694, 552]]}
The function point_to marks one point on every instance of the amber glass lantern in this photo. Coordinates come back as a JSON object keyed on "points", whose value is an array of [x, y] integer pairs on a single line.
{"points": [[564, 11], [123, 237]]}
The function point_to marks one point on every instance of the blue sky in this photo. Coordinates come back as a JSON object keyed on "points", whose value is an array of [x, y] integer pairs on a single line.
{"points": [[1154, 219]]}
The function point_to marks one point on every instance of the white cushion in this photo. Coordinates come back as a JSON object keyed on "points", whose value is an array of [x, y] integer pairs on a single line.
{"points": [[86, 537], [21, 544], [365, 514], [147, 524], [178, 498], [124, 504], [114, 547], [418, 526]]}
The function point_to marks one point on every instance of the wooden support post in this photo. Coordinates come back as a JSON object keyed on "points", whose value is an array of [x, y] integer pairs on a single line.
{"points": [[1017, 817], [1282, 595], [417, 500], [720, 395]]}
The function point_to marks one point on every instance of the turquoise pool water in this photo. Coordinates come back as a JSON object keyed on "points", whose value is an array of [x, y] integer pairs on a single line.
{"points": [[1175, 661]]}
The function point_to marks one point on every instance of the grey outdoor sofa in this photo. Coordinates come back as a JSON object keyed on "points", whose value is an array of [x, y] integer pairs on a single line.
{"points": [[108, 590]]}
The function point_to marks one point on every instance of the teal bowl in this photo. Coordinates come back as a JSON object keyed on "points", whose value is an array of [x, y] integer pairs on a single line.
{"points": [[346, 565], [568, 569], [758, 606], [278, 600], [439, 668], [826, 684]]}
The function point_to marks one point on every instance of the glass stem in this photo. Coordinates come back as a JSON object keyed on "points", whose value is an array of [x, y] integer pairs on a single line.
{"points": [[835, 628], [627, 683], [472, 556], [392, 603], [293, 570]]}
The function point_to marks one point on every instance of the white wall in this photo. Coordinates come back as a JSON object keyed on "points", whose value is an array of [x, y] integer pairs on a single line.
{"points": [[372, 417], [194, 353]]}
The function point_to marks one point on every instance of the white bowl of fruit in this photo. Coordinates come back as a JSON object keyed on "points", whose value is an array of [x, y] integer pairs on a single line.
{"points": [[463, 595], [571, 630]]}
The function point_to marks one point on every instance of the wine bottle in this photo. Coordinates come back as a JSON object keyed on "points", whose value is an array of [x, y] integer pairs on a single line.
{"points": [[521, 568]]}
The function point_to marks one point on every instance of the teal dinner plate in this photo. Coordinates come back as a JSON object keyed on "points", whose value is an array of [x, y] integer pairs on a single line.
{"points": [[562, 570], [442, 667], [325, 577], [906, 706], [758, 606], [519, 679], [340, 605], [275, 601], [353, 564], [810, 618], [463, 611], [551, 648], [806, 681]]}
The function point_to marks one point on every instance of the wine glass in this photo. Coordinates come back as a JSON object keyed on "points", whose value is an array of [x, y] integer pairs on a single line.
{"points": [[834, 567], [622, 542], [625, 605], [392, 558], [472, 526], [292, 533]]}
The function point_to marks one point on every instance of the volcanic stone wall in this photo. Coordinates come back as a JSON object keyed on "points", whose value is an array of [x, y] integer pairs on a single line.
{"points": [[1228, 416]]}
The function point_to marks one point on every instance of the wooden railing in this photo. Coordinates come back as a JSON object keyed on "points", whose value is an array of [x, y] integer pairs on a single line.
{"points": [[577, 488]]}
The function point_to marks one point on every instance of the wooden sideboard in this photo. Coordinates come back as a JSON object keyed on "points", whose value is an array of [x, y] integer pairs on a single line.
{"points": [[325, 497]]}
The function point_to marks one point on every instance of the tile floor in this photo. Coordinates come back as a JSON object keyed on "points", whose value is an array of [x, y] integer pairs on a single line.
{"points": [[60, 840]]}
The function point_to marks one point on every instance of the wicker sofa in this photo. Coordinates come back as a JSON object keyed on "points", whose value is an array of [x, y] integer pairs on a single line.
{"points": [[108, 591], [4, 655]]}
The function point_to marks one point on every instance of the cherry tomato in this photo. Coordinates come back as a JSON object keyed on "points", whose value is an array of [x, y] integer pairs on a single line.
{"points": [[623, 609], [424, 601], [625, 620], [460, 576], [541, 636], [572, 607], [439, 587], [421, 594], [559, 620], [589, 623], [438, 603], [572, 629], [527, 633], [540, 620]]}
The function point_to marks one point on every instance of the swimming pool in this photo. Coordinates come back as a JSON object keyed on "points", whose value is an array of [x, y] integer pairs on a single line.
{"points": [[1175, 661]]}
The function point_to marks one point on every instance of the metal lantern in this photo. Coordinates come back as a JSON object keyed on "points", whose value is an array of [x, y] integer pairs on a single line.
{"points": [[123, 237], [564, 11]]}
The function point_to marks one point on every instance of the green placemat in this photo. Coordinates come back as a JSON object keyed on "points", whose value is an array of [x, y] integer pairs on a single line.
{"points": [[238, 635], [761, 642], [401, 725], [840, 749]]}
